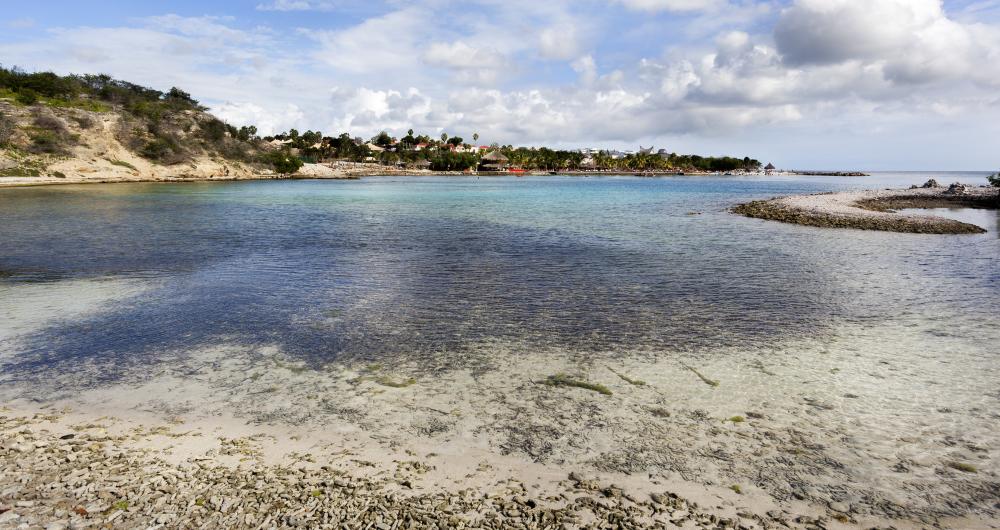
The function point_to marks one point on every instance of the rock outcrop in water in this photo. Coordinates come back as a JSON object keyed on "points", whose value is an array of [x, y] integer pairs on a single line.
{"points": [[957, 188], [876, 210]]}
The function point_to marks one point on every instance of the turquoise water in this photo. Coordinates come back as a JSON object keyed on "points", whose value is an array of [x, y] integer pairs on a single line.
{"points": [[404, 269]]}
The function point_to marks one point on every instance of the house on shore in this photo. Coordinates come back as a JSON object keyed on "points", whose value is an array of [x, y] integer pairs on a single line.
{"points": [[769, 168], [494, 161]]}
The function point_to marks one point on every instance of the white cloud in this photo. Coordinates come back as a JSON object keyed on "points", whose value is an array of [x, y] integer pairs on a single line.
{"points": [[560, 41], [469, 64], [533, 77], [912, 41], [298, 5], [586, 68], [268, 121], [381, 44], [672, 5]]}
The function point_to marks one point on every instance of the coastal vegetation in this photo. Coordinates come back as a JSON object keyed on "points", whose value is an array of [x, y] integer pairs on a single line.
{"points": [[452, 153], [49, 116]]}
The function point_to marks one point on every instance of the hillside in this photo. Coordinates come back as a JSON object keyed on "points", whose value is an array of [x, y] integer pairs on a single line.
{"points": [[61, 129]]}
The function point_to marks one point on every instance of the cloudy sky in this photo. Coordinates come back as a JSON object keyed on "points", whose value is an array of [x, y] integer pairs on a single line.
{"points": [[845, 84]]}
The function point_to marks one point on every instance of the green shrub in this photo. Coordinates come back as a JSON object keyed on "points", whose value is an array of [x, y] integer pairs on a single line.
{"points": [[994, 179], [19, 171], [213, 130], [27, 96], [47, 142], [156, 149], [283, 162]]}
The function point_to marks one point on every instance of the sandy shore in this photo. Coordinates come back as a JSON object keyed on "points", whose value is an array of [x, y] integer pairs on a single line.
{"points": [[875, 209], [233, 439], [64, 470]]}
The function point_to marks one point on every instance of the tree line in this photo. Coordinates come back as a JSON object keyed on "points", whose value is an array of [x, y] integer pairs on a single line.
{"points": [[149, 133]]}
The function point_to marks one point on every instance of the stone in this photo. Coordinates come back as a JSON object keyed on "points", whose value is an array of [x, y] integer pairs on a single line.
{"points": [[957, 188], [931, 184]]}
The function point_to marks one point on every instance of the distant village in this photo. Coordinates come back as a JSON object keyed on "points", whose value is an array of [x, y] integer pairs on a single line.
{"points": [[453, 153]]}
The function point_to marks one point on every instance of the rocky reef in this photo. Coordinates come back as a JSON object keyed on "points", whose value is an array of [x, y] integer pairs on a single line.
{"points": [[877, 209]]}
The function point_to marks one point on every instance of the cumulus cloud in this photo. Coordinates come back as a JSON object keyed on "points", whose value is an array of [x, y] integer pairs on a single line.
{"points": [[533, 77], [912, 41]]}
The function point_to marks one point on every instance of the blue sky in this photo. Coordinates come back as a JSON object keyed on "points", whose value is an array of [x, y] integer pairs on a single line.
{"points": [[866, 84]]}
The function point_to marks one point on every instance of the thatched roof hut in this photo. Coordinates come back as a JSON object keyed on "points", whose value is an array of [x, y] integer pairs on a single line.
{"points": [[770, 167], [494, 161]]}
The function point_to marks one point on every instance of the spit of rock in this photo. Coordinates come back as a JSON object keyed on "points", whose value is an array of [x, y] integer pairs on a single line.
{"points": [[877, 209]]}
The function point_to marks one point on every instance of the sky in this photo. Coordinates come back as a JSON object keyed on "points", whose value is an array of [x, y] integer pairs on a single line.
{"points": [[806, 84]]}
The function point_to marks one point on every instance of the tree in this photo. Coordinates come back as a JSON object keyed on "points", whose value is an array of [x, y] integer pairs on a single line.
{"points": [[247, 133], [176, 93], [994, 179], [475, 137], [382, 140], [455, 140], [444, 137], [409, 133]]}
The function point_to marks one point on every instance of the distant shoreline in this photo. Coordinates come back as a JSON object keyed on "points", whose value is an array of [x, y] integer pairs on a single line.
{"points": [[354, 171], [875, 209]]}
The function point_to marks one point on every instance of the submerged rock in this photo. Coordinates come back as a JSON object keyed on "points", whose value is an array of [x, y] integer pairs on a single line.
{"points": [[931, 184]]}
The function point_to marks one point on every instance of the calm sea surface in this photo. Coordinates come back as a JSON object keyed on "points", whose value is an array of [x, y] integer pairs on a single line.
{"points": [[404, 268]]}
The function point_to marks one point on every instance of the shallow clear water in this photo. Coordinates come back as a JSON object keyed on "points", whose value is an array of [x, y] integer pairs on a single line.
{"points": [[865, 362], [407, 268]]}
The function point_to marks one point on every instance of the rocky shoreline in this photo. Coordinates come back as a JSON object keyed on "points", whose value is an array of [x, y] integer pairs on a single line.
{"points": [[877, 209]]}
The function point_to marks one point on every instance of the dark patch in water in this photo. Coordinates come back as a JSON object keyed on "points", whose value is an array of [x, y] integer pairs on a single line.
{"points": [[378, 282]]}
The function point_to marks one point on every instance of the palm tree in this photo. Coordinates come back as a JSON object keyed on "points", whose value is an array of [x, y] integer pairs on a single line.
{"points": [[475, 137]]}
